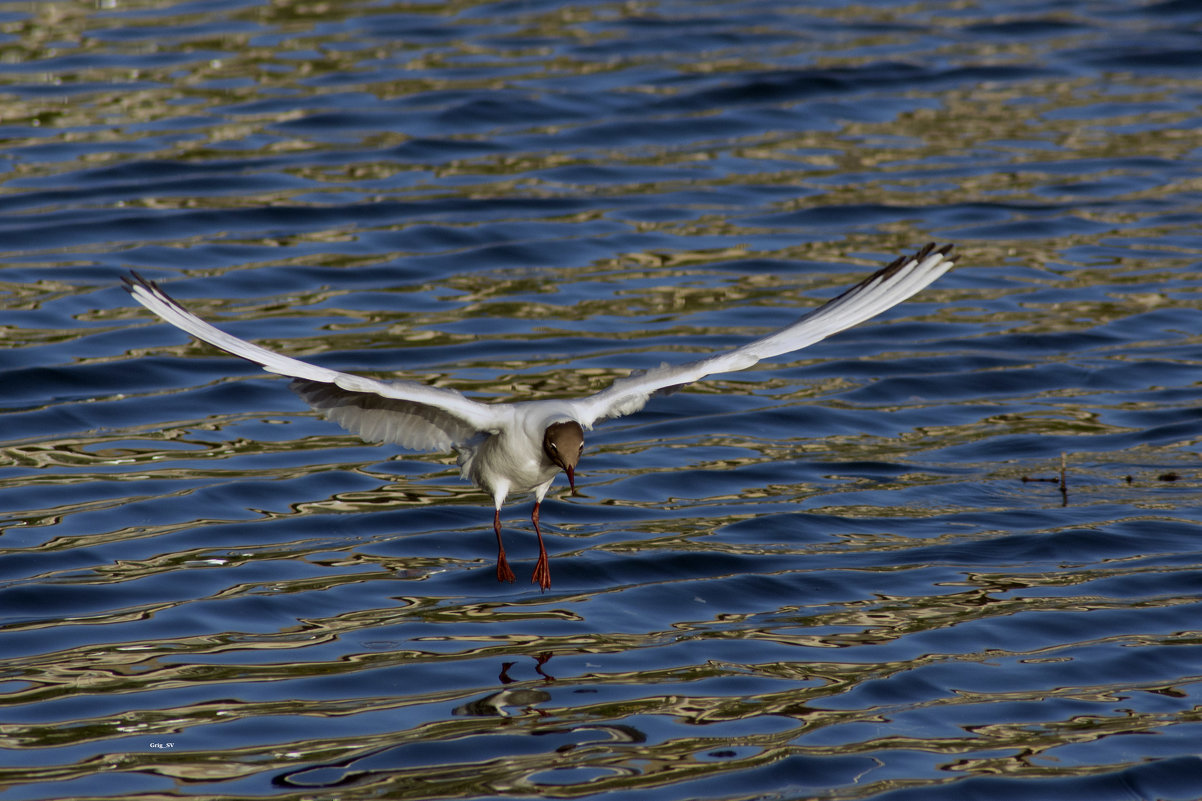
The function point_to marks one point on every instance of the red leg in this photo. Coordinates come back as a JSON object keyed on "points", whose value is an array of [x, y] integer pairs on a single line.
{"points": [[503, 571], [542, 568]]}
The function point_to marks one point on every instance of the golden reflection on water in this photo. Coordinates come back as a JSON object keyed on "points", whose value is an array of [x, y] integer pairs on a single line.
{"points": [[157, 665], [667, 724]]}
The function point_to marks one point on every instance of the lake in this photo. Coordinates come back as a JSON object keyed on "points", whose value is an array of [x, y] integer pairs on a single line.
{"points": [[952, 553]]}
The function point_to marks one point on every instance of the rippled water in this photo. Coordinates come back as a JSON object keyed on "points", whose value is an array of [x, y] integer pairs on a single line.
{"points": [[847, 573]]}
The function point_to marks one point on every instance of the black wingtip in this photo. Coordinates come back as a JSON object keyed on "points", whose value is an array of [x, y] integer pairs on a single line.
{"points": [[927, 250], [891, 269], [135, 279]]}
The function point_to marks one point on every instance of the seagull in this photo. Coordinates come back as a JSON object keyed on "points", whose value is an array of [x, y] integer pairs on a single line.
{"points": [[519, 448]]}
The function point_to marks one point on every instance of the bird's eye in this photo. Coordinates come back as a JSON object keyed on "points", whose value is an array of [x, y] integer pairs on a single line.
{"points": [[554, 447], [582, 447]]}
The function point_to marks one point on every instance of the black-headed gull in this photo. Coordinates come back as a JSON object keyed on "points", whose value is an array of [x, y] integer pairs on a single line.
{"points": [[517, 448]]}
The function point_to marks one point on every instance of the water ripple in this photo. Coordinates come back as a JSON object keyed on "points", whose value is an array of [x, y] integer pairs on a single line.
{"points": [[950, 553]]}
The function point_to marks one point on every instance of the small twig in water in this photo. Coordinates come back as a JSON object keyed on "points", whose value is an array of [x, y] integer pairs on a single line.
{"points": [[1063, 478], [1062, 481]]}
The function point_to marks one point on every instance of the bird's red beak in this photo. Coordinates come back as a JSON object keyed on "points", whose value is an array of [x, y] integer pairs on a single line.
{"points": [[571, 471]]}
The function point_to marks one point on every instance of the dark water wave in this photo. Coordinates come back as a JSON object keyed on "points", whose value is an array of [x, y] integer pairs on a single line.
{"points": [[951, 553]]}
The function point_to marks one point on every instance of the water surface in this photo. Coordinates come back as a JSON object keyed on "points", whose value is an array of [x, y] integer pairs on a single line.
{"points": [[848, 573]]}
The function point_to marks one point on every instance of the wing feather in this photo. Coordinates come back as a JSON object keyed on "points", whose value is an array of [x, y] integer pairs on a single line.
{"points": [[406, 413], [880, 291]]}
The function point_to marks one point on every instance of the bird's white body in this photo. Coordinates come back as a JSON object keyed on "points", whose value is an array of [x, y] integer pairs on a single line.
{"points": [[511, 461], [517, 448]]}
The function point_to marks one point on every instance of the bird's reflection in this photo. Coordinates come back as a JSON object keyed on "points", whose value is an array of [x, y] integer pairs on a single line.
{"points": [[519, 700], [539, 661]]}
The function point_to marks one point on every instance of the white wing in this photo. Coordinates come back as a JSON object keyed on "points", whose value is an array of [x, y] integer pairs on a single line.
{"points": [[403, 412], [882, 290]]}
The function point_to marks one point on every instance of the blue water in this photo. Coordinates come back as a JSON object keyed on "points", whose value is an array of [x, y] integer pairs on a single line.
{"points": [[848, 573]]}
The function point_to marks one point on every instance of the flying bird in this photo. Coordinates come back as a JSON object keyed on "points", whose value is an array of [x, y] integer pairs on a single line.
{"points": [[518, 448]]}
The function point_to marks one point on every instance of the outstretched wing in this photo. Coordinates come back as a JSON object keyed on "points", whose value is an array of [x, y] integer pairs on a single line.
{"points": [[406, 413], [883, 289]]}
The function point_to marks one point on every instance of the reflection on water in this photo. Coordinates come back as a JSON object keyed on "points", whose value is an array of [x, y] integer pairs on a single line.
{"points": [[824, 577]]}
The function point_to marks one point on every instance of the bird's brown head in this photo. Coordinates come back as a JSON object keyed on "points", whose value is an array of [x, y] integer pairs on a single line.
{"points": [[563, 443]]}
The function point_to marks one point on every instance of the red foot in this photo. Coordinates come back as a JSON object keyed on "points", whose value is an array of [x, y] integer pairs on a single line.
{"points": [[542, 573], [503, 571], [542, 569]]}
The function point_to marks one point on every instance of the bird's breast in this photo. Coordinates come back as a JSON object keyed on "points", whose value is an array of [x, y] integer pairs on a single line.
{"points": [[515, 460]]}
